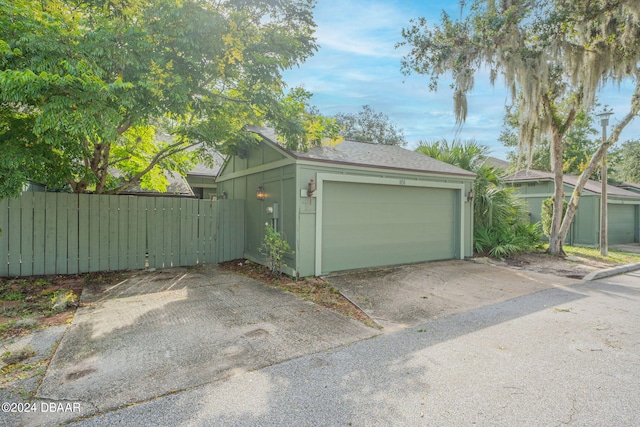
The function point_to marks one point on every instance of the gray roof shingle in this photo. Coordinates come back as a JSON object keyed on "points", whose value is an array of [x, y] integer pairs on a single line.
{"points": [[572, 180], [367, 154]]}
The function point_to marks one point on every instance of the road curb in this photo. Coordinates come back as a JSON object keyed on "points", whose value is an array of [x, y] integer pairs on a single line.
{"points": [[607, 272]]}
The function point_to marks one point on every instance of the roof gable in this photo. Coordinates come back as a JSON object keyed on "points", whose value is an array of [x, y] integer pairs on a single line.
{"points": [[356, 153]]}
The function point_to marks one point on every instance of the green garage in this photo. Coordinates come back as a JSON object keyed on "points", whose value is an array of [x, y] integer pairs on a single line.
{"points": [[623, 207], [357, 233], [622, 223], [351, 205]]}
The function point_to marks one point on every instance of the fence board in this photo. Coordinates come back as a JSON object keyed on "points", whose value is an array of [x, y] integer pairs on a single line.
{"points": [[123, 228], [208, 232], [114, 213], [201, 241], [61, 232], [184, 235], [214, 220], [73, 253], [26, 235], [13, 232], [141, 232], [55, 233], [94, 233], [131, 261], [50, 235], [166, 233], [174, 229], [39, 231], [152, 238], [84, 226], [4, 237]]}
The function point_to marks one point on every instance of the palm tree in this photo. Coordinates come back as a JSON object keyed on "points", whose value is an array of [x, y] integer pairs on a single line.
{"points": [[501, 223]]}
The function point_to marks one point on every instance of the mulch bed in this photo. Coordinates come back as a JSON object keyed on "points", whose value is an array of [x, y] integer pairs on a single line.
{"points": [[311, 289]]}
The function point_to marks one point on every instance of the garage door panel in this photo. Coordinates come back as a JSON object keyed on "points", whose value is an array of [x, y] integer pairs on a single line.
{"points": [[366, 225], [621, 222]]}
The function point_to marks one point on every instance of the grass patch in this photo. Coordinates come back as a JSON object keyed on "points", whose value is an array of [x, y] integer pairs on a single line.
{"points": [[22, 371], [614, 257]]}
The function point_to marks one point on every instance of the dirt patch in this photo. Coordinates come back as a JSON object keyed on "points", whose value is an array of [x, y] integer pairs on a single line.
{"points": [[42, 301], [571, 266], [310, 289]]}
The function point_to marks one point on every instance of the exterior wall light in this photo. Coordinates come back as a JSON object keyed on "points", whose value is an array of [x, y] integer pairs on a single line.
{"points": [[470, 195], [260, 193]]}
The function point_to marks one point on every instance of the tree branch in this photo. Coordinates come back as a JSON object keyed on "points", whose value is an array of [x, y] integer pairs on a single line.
{"points": [[161, 155]]}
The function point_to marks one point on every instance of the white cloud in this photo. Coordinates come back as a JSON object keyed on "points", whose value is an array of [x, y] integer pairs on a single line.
{"points": [[358, 64], [370, 29]]}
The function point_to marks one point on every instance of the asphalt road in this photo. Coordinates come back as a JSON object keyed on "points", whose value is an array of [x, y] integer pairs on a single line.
{"points": [[562, 356]]}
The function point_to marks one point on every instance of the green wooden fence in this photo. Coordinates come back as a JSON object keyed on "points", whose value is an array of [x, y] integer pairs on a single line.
{"points": [[58, 233]]}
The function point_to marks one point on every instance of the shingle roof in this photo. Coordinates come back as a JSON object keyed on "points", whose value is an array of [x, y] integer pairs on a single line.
{"points": [[572, 180], [203, 170], [177, 186], [630, 185], [200, 169], [366, 154]]}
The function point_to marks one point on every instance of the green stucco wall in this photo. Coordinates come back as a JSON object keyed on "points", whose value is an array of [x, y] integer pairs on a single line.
{"points": [[585, 228]]}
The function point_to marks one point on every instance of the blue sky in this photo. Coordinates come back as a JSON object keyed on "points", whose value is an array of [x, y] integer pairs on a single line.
{"points": [[357, 64]]}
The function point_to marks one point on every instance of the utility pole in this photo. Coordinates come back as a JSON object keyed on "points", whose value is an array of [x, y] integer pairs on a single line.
{"points": [[604, 229]]}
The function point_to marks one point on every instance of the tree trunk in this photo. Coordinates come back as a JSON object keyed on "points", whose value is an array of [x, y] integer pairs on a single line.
{"points": [[555, 239], [594, 162]]}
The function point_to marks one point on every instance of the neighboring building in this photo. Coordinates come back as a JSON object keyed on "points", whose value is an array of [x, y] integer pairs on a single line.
{"points": [[177, 187], [202, 178], [352, 205], [623, 207], [630, 186]]}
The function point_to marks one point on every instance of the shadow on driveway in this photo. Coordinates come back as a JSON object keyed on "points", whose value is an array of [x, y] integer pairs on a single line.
{"points": [[157, 333], [566, 354]]}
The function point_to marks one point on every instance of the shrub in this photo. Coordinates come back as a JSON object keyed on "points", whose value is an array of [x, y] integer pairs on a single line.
{"points": [[274, 247], [504, 241]]}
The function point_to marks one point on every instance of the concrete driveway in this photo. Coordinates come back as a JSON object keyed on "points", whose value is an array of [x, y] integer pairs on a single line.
{"points": [[558, 357], [157, 333], [404, 296]]}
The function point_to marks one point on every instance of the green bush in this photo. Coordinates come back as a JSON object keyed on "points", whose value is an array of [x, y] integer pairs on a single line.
{"points": [[503, 241], [501, 223], [274, 247]]}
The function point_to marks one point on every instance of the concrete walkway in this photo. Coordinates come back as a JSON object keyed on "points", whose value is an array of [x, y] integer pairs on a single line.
{"points": [[162, 332]]}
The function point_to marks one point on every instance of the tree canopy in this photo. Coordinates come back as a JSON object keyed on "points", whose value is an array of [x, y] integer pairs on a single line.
{"points": [[548, 53], [86, 85], [370, 126], [578, 145], [625, 162]]}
